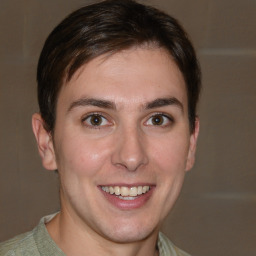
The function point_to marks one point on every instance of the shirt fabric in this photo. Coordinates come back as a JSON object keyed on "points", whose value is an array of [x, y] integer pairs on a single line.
{"points": [[39, 243]]}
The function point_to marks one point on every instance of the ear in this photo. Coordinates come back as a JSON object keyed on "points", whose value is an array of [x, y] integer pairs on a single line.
{"points": [[192, 146], [44, 142]]}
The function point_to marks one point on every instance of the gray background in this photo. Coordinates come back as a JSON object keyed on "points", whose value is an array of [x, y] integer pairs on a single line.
{"points": [[216, 213]]}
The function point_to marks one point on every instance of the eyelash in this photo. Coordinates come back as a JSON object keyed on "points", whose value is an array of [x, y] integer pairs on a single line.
{"points": [[95, 114], [160, 114], [169, 118]]}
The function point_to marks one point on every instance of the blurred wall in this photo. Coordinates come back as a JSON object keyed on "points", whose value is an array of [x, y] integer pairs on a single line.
{"points": [[216, 213]]}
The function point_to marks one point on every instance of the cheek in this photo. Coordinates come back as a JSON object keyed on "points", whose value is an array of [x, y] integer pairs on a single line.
{"points": [[82, 157], [171, 154]]}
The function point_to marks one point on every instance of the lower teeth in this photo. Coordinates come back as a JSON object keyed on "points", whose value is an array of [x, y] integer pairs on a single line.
{"points": [[126, 197]]}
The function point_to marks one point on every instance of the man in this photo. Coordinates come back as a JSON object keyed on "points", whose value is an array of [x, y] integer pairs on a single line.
{"points": [[118, 84]]}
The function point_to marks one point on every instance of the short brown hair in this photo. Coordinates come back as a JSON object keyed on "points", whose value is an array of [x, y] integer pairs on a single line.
{"points": [[108, 27]]}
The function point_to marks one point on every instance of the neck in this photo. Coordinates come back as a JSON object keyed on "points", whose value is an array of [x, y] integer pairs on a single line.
{"points": [[73, 239]]}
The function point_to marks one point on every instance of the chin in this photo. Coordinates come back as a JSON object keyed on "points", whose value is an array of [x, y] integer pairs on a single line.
{"points": [[129, 233]]}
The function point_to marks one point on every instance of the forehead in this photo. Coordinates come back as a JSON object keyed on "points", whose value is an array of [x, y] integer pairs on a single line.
{"points": [[136, 75]]}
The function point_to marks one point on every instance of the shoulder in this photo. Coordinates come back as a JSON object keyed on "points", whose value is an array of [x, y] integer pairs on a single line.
{"points": [[34, 243], [23, 244], [167, 248]]}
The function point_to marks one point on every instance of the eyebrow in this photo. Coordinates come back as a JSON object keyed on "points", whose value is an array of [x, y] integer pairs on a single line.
{"points": [[160, 102], [92, 102]]}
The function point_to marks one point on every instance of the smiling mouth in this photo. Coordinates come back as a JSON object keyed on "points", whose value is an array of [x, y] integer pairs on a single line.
{"points": [[126, 193]]}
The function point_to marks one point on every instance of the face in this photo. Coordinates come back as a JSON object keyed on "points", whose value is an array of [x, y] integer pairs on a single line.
{"points": [[122, 143]]}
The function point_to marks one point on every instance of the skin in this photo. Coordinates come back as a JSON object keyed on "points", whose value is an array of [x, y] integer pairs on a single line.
{"points": [[128, 147]]}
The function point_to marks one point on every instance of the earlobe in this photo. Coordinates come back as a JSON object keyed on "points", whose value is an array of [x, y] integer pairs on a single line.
{"points": [[44, 142], [192, 146]]}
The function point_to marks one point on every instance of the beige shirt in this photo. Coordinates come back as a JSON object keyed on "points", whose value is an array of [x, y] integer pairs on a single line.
{"points": [[39, 243]]}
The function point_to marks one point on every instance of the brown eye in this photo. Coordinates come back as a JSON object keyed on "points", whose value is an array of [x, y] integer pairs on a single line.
{"points": [[95, 120], [157, 120]]}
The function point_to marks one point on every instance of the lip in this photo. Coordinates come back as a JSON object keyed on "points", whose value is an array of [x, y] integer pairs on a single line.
{"points": [[138, 202]]}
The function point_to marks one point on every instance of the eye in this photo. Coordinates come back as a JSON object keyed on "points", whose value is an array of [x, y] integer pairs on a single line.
{"points": [[95, 120], [159, 120]]}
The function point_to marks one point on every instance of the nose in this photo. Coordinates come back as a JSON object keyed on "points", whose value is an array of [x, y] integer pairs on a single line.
{"points": [[130, 150]]}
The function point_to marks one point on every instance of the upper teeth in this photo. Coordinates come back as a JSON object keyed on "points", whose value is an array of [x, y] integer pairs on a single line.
{"points": [[125, 191]]}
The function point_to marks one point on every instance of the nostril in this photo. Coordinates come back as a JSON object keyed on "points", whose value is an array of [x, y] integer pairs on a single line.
{"points": [[129, 166], [131, 160], [130, 150]]}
